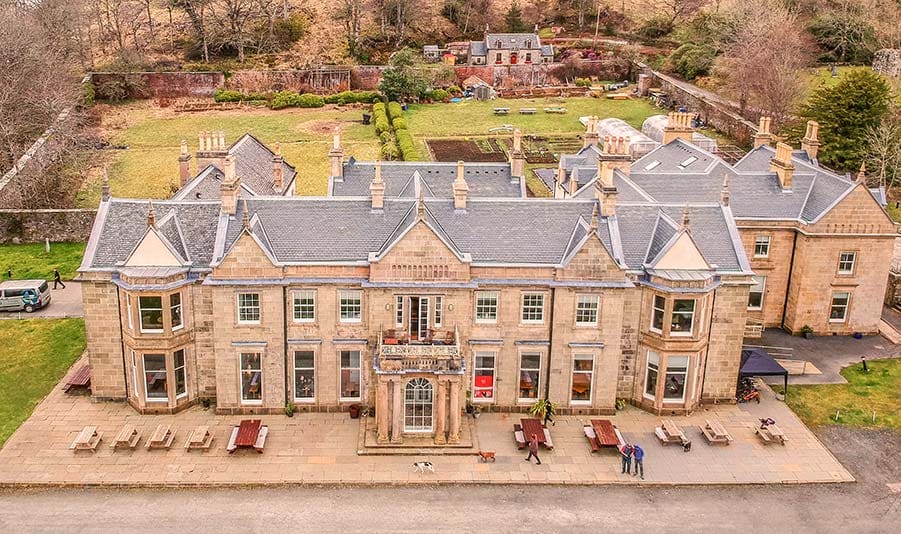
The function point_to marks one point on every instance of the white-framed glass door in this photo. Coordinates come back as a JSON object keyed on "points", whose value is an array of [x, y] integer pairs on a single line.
{"points": [[418, 405], [418, 320]]}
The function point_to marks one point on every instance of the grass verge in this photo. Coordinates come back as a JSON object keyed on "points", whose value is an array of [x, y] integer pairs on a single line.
{"points": [[31, 262], [878, 390], [34, 356]]}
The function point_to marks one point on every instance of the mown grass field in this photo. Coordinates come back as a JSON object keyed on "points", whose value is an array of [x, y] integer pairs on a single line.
{"points": [[878, 390], [32, 262], [34, 356], [148, 167]]}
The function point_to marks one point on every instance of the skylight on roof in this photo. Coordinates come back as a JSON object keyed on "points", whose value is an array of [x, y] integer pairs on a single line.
{"points": [[688, 162], [651, 165]]}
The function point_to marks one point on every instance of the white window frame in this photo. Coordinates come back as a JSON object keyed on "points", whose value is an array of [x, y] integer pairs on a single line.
{"points": [[147, 396], [535, 369], [493, 369], [297, 307], [846, 306], [350, 295], [399, 311], [654, 310], [181, 309], [294, 377], [531, 308], [666, 373], [141, 315], [842, 260], [582, 357], [694, 313], [358, 368], [490, 310], [588, 304], [184, 371], [128, 311], [762, 283], [241, 369], [135, 373], [439, 312], [653, 359], [250, 307], [762, 241]]}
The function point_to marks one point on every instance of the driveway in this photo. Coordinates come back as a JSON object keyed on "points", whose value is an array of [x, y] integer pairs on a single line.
{"points": [[63, 303]]}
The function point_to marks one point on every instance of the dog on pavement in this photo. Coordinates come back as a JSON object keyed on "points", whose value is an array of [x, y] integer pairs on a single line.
{"points": [[421, 467], [484, 456]]}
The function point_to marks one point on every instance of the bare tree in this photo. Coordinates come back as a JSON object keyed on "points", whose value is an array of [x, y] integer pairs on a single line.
{"points": [[350, 13], [883, 156], [197, 11], [677, 10], [233, 17]]}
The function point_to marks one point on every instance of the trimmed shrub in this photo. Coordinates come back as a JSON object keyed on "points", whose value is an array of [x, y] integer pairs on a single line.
{"points": [[454, 90], [399, 123], [224, 95], [394, 110], [390, 151], [290, 99], [353, 97], [439, 95], [407, 147], [386, 137], [691, 61], [382, 126], [583, 82]]}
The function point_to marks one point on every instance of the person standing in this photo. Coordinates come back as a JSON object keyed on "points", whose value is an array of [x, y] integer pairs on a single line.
{"points": [[626, 453], [57, 279], [533, 449], [638, 457]]}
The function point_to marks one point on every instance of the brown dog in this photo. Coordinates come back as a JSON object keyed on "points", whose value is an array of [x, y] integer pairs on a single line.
{"points": [[486, 455]]}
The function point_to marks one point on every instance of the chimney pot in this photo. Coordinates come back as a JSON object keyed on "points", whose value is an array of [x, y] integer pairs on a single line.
{"points": [[461, 188], [377, 188]]}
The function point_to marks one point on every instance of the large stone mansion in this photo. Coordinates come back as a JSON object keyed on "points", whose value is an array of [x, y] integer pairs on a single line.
{"points": [[417, 287]]}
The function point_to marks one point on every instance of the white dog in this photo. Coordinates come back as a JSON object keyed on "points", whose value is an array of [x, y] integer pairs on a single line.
{"points": [[420, 467]]}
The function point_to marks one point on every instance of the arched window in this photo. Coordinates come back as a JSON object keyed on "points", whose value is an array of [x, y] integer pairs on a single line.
{"points": [[418, 406]]}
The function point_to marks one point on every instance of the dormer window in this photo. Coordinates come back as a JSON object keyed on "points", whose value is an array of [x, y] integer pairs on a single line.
{"points": [[528, 44], [498, 44]]}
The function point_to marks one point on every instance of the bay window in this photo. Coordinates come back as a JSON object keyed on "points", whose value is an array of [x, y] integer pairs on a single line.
{"points": [[659, 310], [155, 380], [181, 375], [483, 376], [676, 374], [650, 376], [175, 311], [683, 317], [151, 313], [583, 369]]}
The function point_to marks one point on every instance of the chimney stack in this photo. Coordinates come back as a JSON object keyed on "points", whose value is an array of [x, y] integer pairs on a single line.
{"points": [[336, 157], [811, 142], [377, 188], [561, 177], [231, 184], [517, 158], [605, 190], [184, 164], [724, 193], [617, 151], [686, 220], [278, 171], [678, 126], [591, 133], [782, 165], [212, 150], [461, 188], [105, 190], [862, 173], [763, 135], [151, 215]]}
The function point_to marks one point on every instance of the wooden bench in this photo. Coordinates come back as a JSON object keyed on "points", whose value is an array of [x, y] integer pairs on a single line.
{"points": [[87, 439], [555, 110], [527, 111], [771, 434], [592, 438], [715, 432], [501, 111], [161, 438], [128, 437], [199, 438], [81, 379], [519, 436]]}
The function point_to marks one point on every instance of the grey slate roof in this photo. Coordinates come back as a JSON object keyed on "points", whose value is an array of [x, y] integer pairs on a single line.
{"points": [[484, 180], [477, 48], [513, 41]]}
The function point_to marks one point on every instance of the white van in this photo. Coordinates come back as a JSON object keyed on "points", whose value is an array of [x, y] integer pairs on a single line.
{"points": [[28, 295]]}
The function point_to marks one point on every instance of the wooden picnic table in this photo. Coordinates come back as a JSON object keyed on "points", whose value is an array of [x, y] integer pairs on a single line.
{"points": [[771, 434], [199, 438], [715, 432], [501, 111], [87, 439], [250, 433], [161, 438], [605, 432], [531, 426], [81, 378], [128, 437]]}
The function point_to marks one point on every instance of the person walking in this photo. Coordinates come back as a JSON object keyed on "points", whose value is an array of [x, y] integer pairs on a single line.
{"points": [[533, 449], [626, 453], [638, 457], [549, 415], [57, 279]]}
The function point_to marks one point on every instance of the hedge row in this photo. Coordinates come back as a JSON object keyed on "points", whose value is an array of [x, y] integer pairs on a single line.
{"points": [[290, 99], [225, 95], [405, 143], [353, 97], [395, 110]]}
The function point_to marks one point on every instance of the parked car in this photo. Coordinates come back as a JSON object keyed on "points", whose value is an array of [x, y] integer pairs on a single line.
{"points": [[28, 295]]}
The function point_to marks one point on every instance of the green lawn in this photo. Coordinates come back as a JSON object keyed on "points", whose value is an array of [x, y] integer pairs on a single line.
{"points": [[879, 391], [822, 76], [475, 118], [31, 262], [34, 356]]}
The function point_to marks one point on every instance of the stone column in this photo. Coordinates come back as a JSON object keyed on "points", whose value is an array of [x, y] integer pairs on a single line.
{"points": [[397, 412], [454, 434], [381, 409], [440, 411]]}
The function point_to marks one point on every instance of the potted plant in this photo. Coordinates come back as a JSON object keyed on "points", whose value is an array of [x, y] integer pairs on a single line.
{"points": [[205, 402], [289, 409], [469, 406], [807, 331], [543, 407], [354, 410]]}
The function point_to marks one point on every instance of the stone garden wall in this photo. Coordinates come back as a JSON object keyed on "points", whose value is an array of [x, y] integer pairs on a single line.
{"points": [[33, 226]]}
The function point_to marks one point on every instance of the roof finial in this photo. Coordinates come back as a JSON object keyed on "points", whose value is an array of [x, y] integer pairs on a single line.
{"points": [[686, 220], [278, 148], [184, 147], [245, 217], [862, 173], [594, 218], [105, 195], [420, 206], [724, 194], [151, 216]]}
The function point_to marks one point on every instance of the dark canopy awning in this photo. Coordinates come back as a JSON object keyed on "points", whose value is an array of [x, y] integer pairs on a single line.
{"points": [[758, 362]]}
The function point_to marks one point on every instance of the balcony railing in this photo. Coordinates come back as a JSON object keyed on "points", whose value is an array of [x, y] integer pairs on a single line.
{"points": [[441, 353]]}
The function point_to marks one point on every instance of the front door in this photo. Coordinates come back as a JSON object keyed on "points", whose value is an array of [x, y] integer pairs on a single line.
{"points": [[419, 317], [418, 406]]}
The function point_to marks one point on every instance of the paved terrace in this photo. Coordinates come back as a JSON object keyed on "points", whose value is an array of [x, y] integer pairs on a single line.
{"points": [[322, 448]]}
